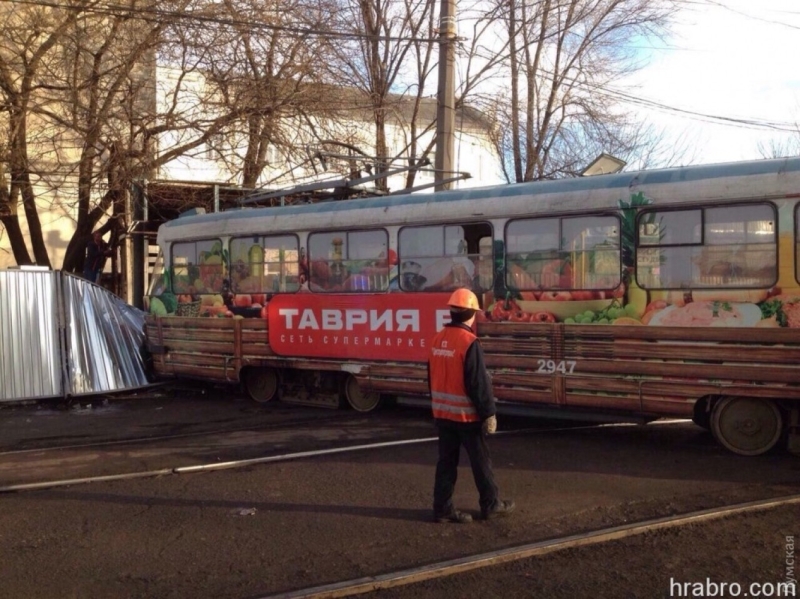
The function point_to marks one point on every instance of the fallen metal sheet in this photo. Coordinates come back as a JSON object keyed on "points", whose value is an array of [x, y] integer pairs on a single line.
{"points": [[61, 336], [30, 352]]}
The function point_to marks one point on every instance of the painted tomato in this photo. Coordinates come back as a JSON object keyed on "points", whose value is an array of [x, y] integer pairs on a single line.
{"points": [[519, 316], [555, 296], [582, 296], [242, 300], [543, 317], [480, 316]]}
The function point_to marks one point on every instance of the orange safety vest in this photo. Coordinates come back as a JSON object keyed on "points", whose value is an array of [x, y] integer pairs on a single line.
{"points": [[446, 361]]}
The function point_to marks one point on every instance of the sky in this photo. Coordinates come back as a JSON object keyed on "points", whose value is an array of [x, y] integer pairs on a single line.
{"points": [[736, 59]]}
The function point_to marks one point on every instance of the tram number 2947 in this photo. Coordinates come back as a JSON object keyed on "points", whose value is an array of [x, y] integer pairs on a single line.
{"points": [[551, 366]]}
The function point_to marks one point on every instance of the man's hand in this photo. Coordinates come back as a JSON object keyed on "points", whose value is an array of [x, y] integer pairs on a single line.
{"points": [[490, 425]]}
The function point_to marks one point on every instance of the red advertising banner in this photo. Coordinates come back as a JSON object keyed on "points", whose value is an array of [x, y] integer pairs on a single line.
{"points": [[395, 327]]}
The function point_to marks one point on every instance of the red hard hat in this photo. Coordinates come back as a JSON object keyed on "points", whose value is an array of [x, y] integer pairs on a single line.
{"points": [[463, 298]]}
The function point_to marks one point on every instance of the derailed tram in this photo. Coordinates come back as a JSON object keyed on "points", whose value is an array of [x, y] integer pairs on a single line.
{"points": [[663, 293]]}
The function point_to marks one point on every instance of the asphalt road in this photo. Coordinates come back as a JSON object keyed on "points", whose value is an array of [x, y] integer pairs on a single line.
{"points": [[274, 527]]}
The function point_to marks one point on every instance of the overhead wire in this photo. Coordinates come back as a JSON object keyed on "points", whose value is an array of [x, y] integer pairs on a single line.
{"points": [[159, 14]]}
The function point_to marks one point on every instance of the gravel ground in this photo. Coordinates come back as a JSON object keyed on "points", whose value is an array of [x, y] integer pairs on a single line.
{"points": [[755, 548]]}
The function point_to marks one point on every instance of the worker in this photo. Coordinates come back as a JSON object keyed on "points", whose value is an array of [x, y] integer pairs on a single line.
{"points": [[97, 250], [464, 411]]}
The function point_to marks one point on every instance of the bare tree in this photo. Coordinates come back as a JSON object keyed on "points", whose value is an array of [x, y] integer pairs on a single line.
{"points": [[377, 61], [79, 103], [263, 65], [31, 34], [558, 58], [781, 148]]}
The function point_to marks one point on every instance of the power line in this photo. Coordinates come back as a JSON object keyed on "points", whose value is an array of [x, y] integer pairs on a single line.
{"points": [[747, 123], [154, 14], [159, 15], [751, 16]]}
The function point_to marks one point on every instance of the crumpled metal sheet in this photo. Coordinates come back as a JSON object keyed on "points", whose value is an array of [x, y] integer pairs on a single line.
{"points": [[61, 336]]}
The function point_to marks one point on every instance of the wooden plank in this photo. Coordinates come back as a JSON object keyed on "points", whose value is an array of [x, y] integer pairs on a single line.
{"points": [[183, 335], [606, 402], [697, 390], [190, 359], [398, 371], [523, 379], [200, 347], [605, 384], [524, 395], [746, 335], [394, 386], [204, 373], [684, 351], [513, 346], [701, 372], [252, 350], [611, 332], [179, 322], [251, 336]]}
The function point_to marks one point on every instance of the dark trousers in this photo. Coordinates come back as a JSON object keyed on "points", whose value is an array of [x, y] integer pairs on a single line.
{"points": [[450, 441], [91, 275]]}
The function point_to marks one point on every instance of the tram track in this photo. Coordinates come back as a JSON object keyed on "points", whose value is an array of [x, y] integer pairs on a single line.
{"points": [[299, 422], [292, 527], [243, 463], [536, 549]]}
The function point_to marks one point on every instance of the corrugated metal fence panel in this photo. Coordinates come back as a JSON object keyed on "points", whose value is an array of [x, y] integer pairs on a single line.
{"points": [[61, 335], [104, 340], [30, 355]]}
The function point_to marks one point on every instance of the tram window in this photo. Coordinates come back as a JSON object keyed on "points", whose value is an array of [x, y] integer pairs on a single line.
{"points": [[446, 257], [265, 264], [563, 253], [349, 261], [159, 282], [714, 247], [198, 266]]}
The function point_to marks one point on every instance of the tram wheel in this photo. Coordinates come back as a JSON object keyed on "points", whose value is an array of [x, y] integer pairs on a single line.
{"points": [[747, 426], [261, 384], [357, 398]]}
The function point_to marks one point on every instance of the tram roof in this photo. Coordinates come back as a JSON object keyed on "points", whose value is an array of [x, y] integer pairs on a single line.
{"points": [[618, 181]]}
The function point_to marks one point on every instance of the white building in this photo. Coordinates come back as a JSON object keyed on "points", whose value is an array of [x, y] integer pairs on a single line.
{"points": [[473, 152]]}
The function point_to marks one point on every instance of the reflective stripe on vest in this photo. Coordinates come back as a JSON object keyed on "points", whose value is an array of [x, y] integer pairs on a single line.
{"points": [[449, 398]]}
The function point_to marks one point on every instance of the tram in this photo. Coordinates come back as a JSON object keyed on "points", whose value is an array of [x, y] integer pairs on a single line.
{"points": [[651, 294]]}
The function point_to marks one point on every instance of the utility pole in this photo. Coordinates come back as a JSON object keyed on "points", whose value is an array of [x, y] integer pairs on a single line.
{"points": [[446, 96]]}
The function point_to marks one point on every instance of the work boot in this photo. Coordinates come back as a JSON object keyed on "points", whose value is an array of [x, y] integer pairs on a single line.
{"points": [[455, 516], [502, 507]]}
